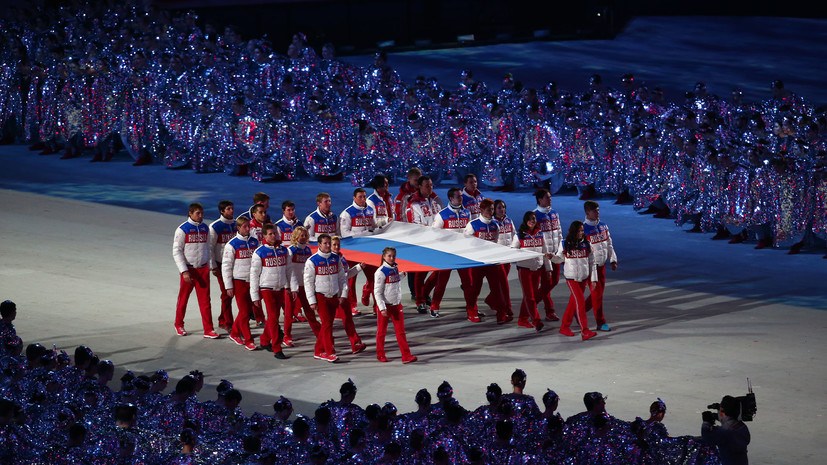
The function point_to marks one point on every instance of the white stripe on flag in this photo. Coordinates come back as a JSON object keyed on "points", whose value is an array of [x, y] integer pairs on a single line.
{"points": [[443, 240]]}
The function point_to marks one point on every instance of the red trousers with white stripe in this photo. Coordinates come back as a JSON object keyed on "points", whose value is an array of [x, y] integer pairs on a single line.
{"points": [[577, 305], [241, 326], [395, 315], [273, 301], [326, 307], [530, 284], [201, 284]]}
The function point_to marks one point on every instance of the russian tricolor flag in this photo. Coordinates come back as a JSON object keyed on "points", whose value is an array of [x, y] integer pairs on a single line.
{"points": [[422, 248]]}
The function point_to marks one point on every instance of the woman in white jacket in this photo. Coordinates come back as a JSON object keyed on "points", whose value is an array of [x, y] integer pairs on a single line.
{"points": [[579, 269], [530, 237], [298, 253], [387, 295]]}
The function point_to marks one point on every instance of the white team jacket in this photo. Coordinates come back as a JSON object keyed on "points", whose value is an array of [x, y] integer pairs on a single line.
{"points": [[601, 241], [189, 245], [298, 255], [423, 211], [536, 243], [387, 286], [269, 269], [507, 231], [216, 242], [382, 214], [579, 262], [555, 236], [365, 225], [323, 273], [235, 261]]}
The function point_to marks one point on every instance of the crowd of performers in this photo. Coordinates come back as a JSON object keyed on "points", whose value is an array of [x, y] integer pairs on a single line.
{"points": [[269, 268], [105, 75], [56, 410]]}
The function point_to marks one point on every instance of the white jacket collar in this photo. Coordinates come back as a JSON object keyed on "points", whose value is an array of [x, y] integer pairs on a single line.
{"points": [[470, 194]]}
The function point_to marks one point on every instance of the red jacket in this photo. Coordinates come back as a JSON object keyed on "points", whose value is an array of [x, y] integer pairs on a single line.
{"points": [[402, 199]]}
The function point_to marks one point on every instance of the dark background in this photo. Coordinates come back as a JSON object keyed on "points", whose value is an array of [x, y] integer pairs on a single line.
{"points": [[357, 26]]}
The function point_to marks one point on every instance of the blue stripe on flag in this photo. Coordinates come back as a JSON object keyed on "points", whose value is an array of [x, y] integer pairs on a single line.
{"points": [[413, 253]]}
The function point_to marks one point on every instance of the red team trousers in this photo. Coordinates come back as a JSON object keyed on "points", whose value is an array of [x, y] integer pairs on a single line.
{"points": [[506, 270], [225, 318], [201, 284], [596, 296], [343, 313], [497, 283], [258, 314], [438, 282], [293, 308], [367, 289], [546, 285], [351, 293], [241, 326], [395, 315], [273, 301], [530, 284], [577, 306], [419, 286], [326, 307]]}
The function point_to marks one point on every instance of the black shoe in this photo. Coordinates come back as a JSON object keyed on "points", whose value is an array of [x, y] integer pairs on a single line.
{"points": [[796, 248], [268, 347], [280, 355], [720, 235], [422, 308], [434, 313]]}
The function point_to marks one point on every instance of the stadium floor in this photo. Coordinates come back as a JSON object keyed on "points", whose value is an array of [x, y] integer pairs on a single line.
{"points": [[86, 254]]}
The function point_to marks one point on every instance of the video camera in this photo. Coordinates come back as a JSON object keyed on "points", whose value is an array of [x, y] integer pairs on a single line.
{"points": [[747, 403]]}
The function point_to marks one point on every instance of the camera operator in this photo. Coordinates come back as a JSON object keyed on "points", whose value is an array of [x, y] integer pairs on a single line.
{"points": [[732, 437]]}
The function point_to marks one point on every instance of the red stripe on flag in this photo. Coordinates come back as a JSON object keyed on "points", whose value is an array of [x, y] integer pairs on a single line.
{"points": [[376, 260]]}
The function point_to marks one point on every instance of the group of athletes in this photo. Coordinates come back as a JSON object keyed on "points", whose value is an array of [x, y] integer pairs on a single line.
{"points": [[268, 267]]}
